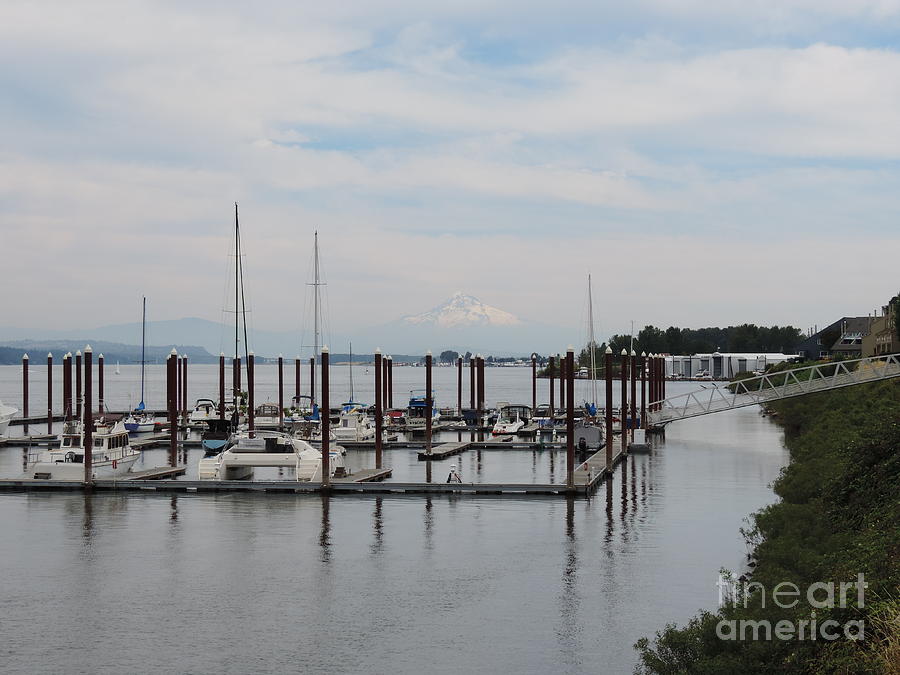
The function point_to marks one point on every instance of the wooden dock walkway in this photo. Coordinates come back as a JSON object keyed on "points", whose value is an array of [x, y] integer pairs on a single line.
{"points": [[365, 476], [444, 450], [158, 473]]}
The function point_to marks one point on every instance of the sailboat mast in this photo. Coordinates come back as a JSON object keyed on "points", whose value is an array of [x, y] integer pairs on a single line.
{"points": [[237, 257], [591, 343], [143, 343]]}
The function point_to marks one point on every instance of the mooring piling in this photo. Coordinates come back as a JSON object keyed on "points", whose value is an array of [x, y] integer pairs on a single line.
{"points": [[550, 368], [172, 404], [280, 391], [623, 406], [632, 402], [66, 385], [570, 419], [297, 379], [390, 382], [222, 386], [380, 373], [429, 402], [472, 378], [459, 386], [184, 388], [88, 417], [562, 383], [384, 379], [251, 410], [643, 364], [100, 385], [533, 383], [481, 388], [78, 385], [312, 381], [25, 389], [50, 392], [607, 409], [325, 422]]}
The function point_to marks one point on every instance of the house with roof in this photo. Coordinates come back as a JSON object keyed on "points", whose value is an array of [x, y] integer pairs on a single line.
{"points": [[883, 337], [843, 338]]}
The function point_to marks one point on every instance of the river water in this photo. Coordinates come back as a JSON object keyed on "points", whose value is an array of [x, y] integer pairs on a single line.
{"points": [[236, 583]]}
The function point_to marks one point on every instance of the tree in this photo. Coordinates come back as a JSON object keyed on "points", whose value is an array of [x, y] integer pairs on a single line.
{"points": [[449, 356]]}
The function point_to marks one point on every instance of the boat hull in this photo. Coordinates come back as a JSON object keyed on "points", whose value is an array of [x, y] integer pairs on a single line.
{"points": [[75, 470]]}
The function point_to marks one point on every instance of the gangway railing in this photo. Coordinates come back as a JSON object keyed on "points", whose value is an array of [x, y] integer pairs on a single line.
{"points": [[773, 386]]}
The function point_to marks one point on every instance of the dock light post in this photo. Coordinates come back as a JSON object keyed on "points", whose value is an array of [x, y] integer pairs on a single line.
{"points": [[100, 385], [171, 404], [379, 407], [608, 407], [550, 366], [50, 391], [251, 411], [297, 378], [25, 390], [623, 408], [429, 402], [222, 386], [326, 423], [533, 382], [78, 384], [66, 384], [88, 418], [280, 391], [570, 419], [643, 363], [633, 366], [472, 382]]}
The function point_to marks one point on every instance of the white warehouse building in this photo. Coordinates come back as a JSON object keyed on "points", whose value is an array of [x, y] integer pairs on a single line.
{"points": [[719, 366]]}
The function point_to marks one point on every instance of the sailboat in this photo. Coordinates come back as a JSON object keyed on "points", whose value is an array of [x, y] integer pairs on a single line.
{"points": [[139, 421]]}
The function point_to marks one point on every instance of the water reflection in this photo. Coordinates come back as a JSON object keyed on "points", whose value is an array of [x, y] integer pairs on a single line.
{"points": [[378, 528], [87, 523], [429, 524], [325, 531], [569, 629], [173, 508]]}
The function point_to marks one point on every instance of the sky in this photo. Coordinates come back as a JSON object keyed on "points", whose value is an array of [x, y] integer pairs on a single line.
{"points": [[707, 163]]}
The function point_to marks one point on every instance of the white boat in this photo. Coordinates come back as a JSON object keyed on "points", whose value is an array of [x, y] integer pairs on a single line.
{"points": [[266, 416], [416, 411], [268, 449], [139, 423], [204, 409], [111, 456], [7, 412], [354, 425], [512, 419]]}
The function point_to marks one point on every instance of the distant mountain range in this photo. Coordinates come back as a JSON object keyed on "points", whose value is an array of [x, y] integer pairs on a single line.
{"points": [[461, 323]]}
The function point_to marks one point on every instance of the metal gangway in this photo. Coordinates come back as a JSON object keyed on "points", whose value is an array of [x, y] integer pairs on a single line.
{"points": [[772, 387]]}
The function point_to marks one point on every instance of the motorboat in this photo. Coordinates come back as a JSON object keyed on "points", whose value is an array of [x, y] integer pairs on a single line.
{"points": [[512, 419], [216, 435], [111, 456], [416, 410], [543, 416], [244, 453], [204, 410], [267, 416], [354, 425], [7, 412]]}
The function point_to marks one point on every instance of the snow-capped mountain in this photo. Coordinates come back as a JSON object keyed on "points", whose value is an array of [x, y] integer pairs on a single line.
{"points": [[462, 311]]}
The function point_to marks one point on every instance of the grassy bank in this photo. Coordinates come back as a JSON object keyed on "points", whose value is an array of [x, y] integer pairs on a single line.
{"points": [[838, 517]]}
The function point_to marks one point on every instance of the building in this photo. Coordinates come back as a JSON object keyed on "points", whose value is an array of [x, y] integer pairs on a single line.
{"points": [[882, 337], [842, 338], [719, 366]]}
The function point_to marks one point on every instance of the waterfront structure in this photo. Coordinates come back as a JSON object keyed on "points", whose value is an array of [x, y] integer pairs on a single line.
{"points": [[720, 365], [843, 338], [882, 337]]}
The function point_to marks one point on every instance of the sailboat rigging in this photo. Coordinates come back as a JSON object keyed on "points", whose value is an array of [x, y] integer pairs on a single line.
{"points": [[592, 346], [140, 421]]}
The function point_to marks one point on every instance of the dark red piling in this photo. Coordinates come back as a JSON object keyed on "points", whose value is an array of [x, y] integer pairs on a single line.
{"points": [[390, 382], [662, 378], [184, 388], [633, 401], [25, 390], [550, 366], [429, 402], [67, 386], [100, 385], [643, 364], [379, 403], [562, 383], [88, 418], [533, 383], [623, 406], [472, 381], [297, 378], [280, 391], [570, 419], [312, 380], [178, 402], [251, 411], [78, 384], [608, 407], [172, 404], [326, 423], [50, 392], [480, 365], [384, 379], [459, 385], [222, 385]]}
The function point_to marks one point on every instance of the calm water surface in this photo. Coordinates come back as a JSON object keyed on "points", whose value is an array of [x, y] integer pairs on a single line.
{"points": [[238, 583]]}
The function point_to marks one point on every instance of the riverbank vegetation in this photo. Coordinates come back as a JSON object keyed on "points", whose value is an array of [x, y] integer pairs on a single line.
{"points": [[838, 517]]}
